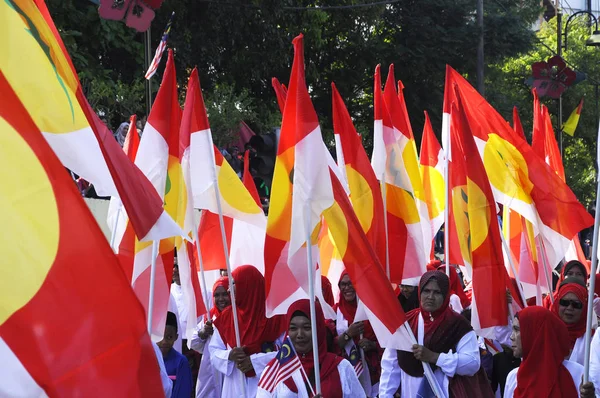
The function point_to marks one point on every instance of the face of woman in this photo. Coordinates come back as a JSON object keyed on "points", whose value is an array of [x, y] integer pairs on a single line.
{"points": [[407, 290], [431, 296], [576, 272], [222, 299], [300, 334], [347, 289], [515, 339], [570, 308]]}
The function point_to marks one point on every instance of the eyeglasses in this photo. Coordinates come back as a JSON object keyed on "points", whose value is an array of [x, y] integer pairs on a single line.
{"points": [[345, 285], [575, 304]]}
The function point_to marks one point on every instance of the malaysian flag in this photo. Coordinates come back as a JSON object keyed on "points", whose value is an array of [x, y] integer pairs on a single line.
{"points": [[159, 50], [285, 363], [356, 361]]}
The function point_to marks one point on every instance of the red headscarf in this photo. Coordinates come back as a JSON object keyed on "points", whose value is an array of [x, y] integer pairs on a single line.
{"points": [[545, 342], [255, 328], [331, 385], [576, 330], [440, 334], [327, 291], [433, 265], [221, 282], [348, 309], [455, 286]]}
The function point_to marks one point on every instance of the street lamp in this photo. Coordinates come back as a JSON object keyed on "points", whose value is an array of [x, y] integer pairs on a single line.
{"points": [[594, 40]]}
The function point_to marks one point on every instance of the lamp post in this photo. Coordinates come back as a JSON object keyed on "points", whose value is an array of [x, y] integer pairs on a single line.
{"points": [[592, 41]]}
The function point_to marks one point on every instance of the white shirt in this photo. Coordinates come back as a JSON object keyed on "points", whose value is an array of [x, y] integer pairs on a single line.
{"points": [[232, 377], [595, 362], [575, 369], [578, 351], [210, 381], [351, 387], [341, 325], [455, 303], [465, 362]]}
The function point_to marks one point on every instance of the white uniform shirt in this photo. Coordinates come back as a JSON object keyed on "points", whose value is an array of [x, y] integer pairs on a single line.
{"points": [[595, 362], [465, 362], [232, 377], [574, 368], [209, 380], [351, 387]]}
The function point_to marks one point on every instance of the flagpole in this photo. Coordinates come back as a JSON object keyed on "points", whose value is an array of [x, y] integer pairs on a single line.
{"points": [[236, 325], [152, 283], [435, 386], [311, 297], [201, 263], [312, 391], [513, 268], [113, 234], [594, 266], [545, 265], [385, 226], [447, 199]]}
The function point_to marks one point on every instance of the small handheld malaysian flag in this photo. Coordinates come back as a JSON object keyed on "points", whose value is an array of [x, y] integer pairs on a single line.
{"points": [[159, 50], [356, 361], [285, 363]]}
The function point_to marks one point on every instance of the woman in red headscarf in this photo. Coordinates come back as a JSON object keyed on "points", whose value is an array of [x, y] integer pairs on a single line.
{"points": [[570, 305], [446, 341], [542, 340], [458, 298], [338, 378], [354, 337], [572, 269], [258, 334], [207, 384]]}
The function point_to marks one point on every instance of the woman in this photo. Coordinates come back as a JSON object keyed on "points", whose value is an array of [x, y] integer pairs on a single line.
{"points": [[209, 381], [354, 337], [570, 305], [458, 298], [242, 366], [572, 269], [542, 340], [446, 341], [338, 379]]}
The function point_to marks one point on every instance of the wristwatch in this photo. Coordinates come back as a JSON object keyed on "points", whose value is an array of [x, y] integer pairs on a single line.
{"points": [[346, 336]]}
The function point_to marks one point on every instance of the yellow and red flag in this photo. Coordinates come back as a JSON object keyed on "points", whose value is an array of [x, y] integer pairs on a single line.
{"points": [[545, 145], [396, 164], [519, 178], [476, 220], [432, 175], [40, 71], [365, 193], [571, 124], [301, 168], [63, 300]]}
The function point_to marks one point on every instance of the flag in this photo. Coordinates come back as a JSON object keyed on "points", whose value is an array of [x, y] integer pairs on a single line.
{"points": [[474, 211], [356, 360], [518, 177], [545, 146], [280, 93], [61, 301], [286, 362], [211, 173], [160, 49], [158, 158], [365, 193], [301, 190], [517, 126], [571, 124], [132, 139], [48, 86], [432, 175], [396, 164]]}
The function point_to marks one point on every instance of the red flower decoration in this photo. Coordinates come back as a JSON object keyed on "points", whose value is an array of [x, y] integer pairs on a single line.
{"points": [[552, 78], [140, 13]]}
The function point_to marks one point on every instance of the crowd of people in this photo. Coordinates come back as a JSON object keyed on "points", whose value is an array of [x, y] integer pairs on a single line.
{"points": [[539, 353]]}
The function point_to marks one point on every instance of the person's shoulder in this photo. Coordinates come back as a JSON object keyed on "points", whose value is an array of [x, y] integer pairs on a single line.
{"points": [[512, 375], [574, 368], [177, 356]]}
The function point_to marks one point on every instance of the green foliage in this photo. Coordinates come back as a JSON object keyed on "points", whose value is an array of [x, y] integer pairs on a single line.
{"points": [[506, 88]]}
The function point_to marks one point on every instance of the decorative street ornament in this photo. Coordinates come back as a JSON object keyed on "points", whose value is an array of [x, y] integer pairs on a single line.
{"points": [[552, 78], [140, 13]]}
